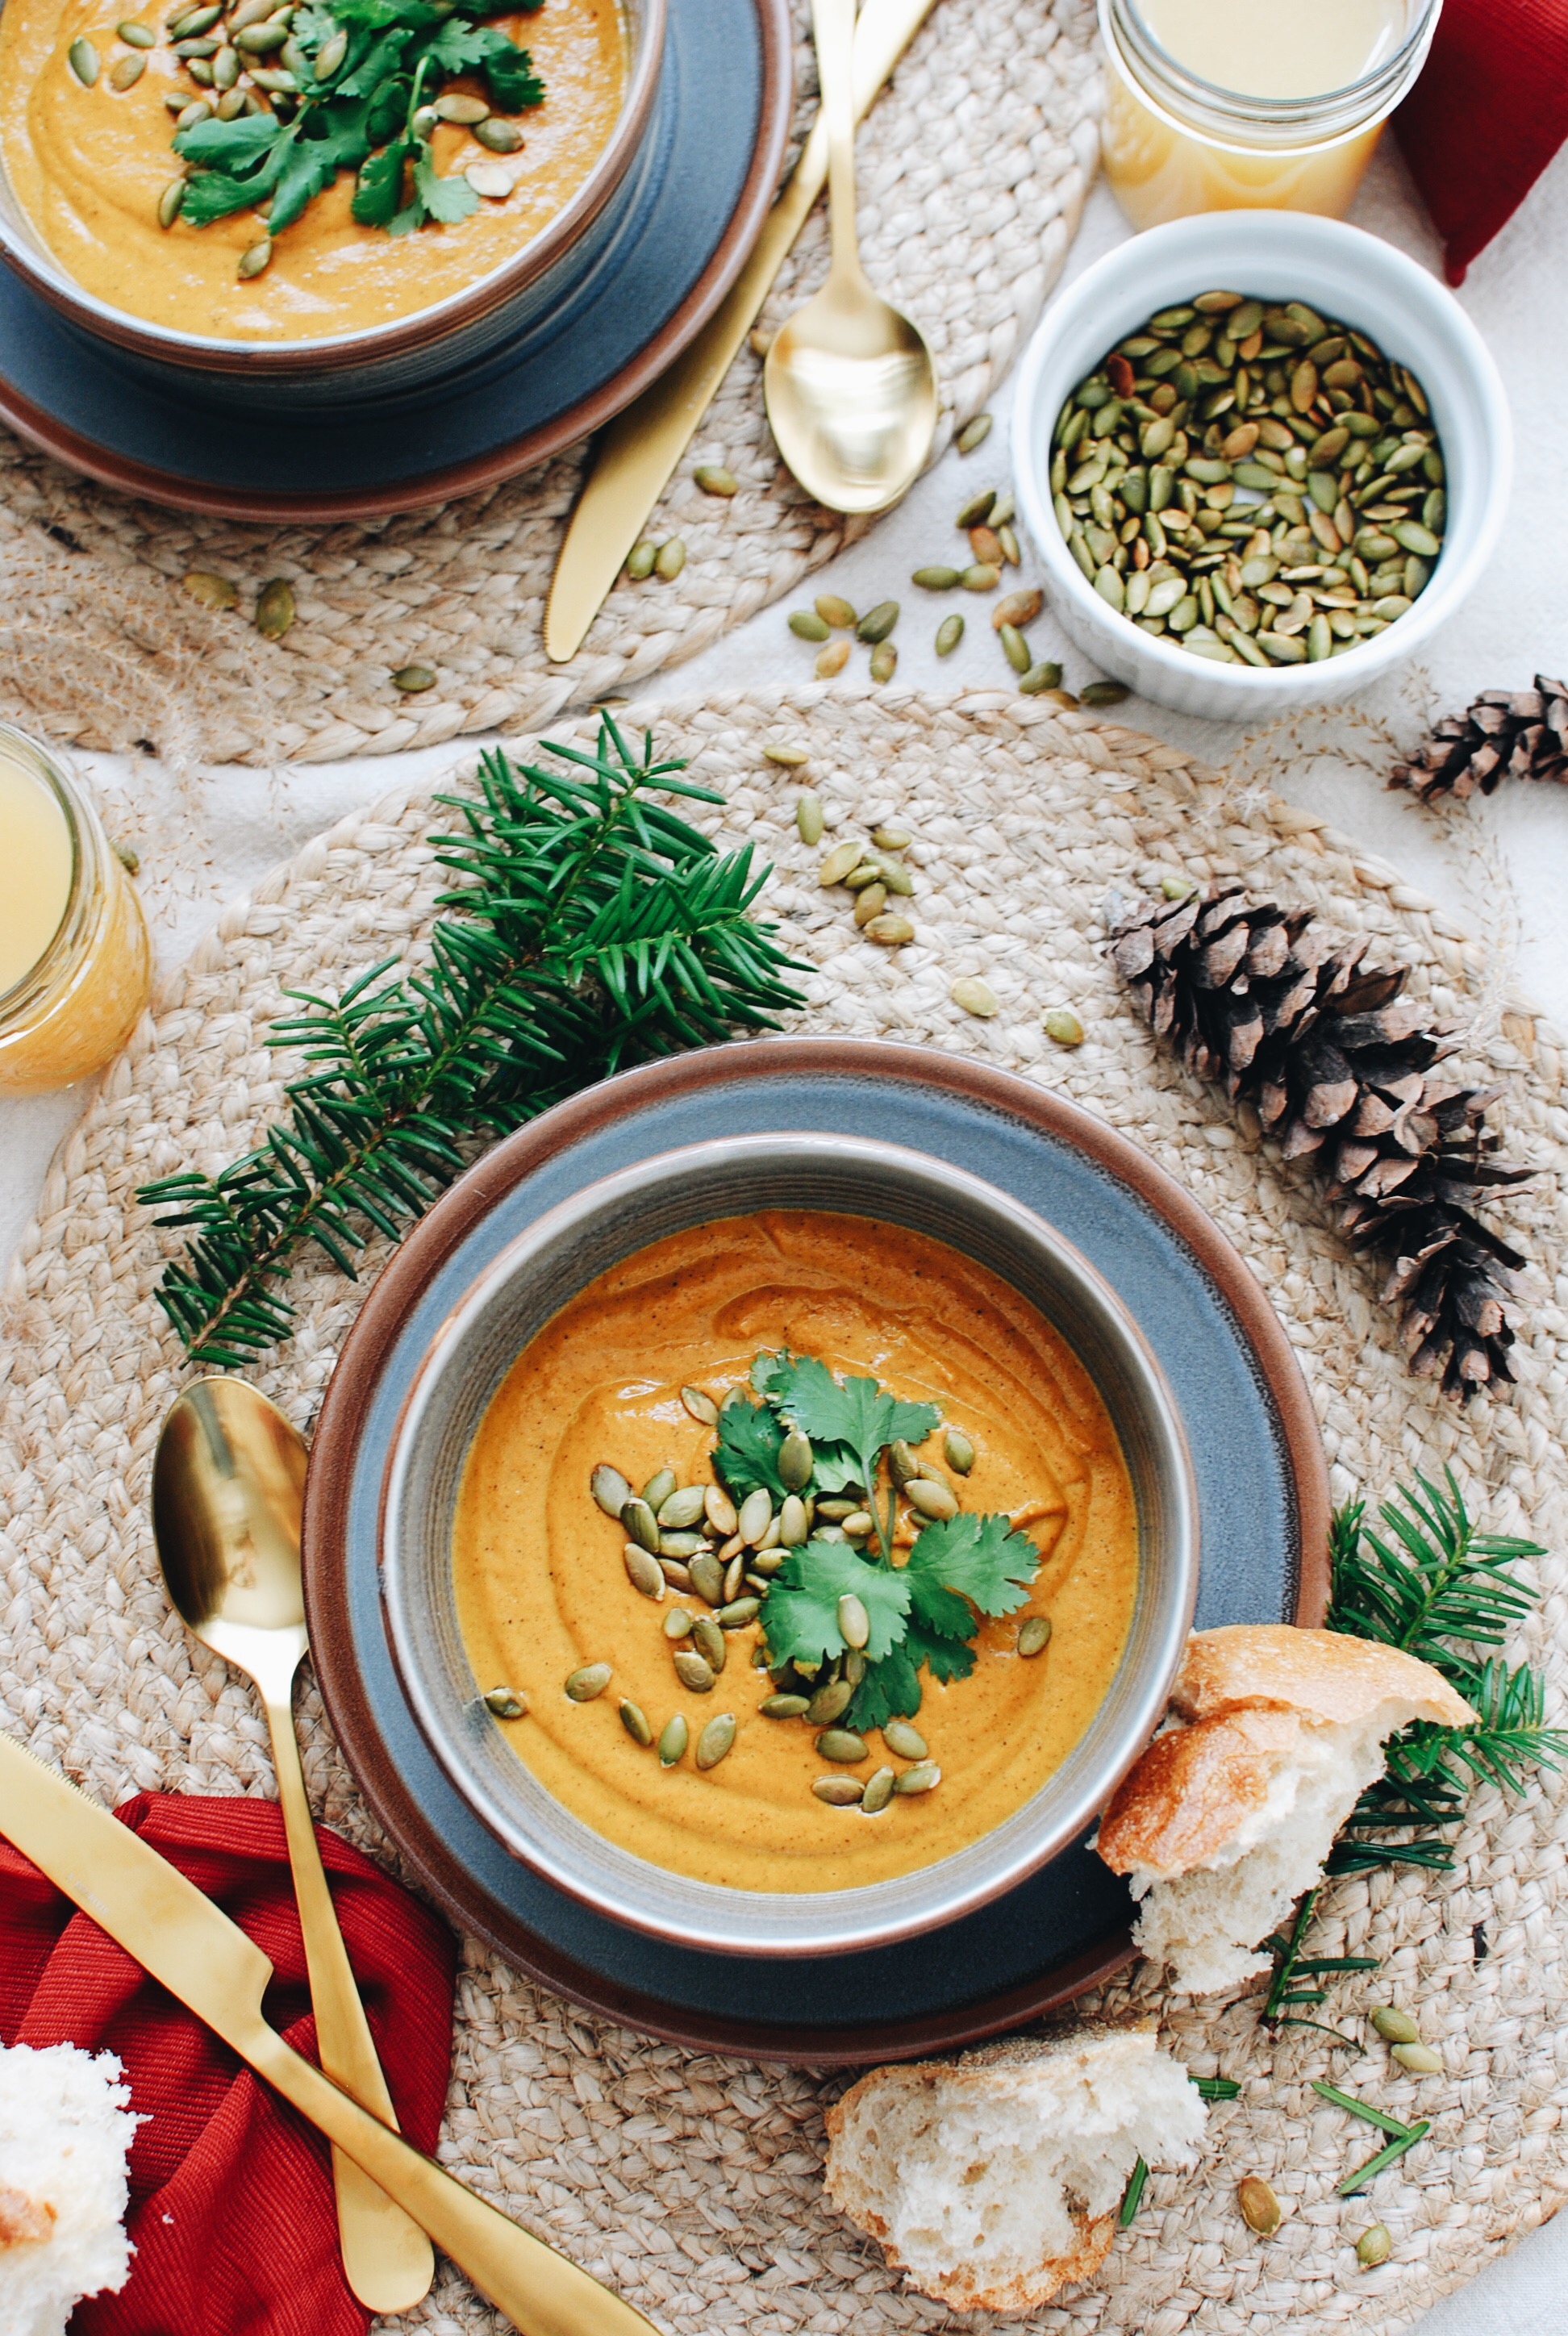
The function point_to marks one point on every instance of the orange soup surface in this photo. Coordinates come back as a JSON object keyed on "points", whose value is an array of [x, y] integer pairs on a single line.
{"points": [[542, 1587]]}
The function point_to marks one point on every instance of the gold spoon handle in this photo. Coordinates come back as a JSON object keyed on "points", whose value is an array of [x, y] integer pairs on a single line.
{"points": [[833, 28], [386, 2256]]}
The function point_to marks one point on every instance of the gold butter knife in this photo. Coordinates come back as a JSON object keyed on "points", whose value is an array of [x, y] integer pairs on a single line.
{"points": [[198, 1955], [640, 448]]}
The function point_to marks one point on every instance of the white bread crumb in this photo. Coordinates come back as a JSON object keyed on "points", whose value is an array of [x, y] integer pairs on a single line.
{"points": [[994, 2180], [64, 2132]]}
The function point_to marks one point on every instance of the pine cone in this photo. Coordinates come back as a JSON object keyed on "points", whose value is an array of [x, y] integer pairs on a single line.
{"points": [[1339, 1065], [1520, 736]]}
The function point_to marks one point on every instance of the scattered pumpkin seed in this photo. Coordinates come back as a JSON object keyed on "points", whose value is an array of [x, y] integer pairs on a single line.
{"points": [[634, 1722], [782, 1707], [128, 859], [490, 178], [643, 1572], [932, 1498], [986, 545], [1046, 674], [708, 1639], [958, 1451], [835, 611], [738, 1614], [135, 35], [892, 839], [708, 1579], [640, 560], [1015, 648], [715, 479], [878, 1791], [1374, 2246], [975, 997], [1260, 2210], [412, 679], [83, 60], [1064, 1025], [126, 72], [977, 509], [673, 1739], [700, 1405], [809, 818], [586, 1681], [1011, 550], [171, 202], [889, 931], [609, 1489], [841, 1744], [682, 1508], [796, 1461], [641, 1524], [807, 625], [1035, 1634], [716, 1738], [838, 1792], [832, 659], [329, 56], [884, 661], [500, 137], [458, 106], [794, 1522], [212, 592], [1103, 693], [904, 1740], [937, 579], [981, 577], [755, 1515], [275, 609], [693, 1670], [901, 1463], [854, 1622], [923, 1777], [857, 1524], [677, 1624], [974, 433], [829, 1702], [507, 1703], [1421, 2059], [670, 559], [1394, 2027], [878, 623]]}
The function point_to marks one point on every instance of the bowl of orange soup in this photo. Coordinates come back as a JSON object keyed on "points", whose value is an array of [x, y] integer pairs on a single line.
{"points": [[788, 1544], [279, 206]]}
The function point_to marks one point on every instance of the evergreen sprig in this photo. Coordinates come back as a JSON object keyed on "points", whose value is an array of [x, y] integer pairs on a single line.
{"points": [[590, 927]]}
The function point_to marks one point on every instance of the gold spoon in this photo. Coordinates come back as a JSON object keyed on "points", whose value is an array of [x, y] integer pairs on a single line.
{"points": [[849, 384], [227, 1487]]}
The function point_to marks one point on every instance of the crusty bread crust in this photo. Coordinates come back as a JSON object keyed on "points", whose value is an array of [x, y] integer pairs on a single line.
{"points": [[1186, 1796], [1321, 1674]]}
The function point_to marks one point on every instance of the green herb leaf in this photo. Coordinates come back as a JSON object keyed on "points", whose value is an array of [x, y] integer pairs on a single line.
{"points": [[446, 201], [984, 1560], [233, 146], [853, 1412], [511, 80], [379, 194], [801, 1616], [890, 1690], [746, 1456]]}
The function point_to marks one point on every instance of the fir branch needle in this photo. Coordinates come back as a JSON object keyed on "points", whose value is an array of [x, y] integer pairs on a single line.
{"points": [[1385, 2158], [1379, 2118]]}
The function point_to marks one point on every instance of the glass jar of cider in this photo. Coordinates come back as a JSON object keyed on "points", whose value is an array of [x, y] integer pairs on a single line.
{"points": [[75, 961], [1252, 105]]}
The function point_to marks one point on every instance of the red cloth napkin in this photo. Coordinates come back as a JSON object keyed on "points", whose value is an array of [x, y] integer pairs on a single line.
{"points": [[1486, 116], [231, 2202]]}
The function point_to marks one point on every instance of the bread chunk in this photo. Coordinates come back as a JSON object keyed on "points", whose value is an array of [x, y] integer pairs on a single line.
{"points": [[65, 2131], [1225, 1821], [993, 2180]]}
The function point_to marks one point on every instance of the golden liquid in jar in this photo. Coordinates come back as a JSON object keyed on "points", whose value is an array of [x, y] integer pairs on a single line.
{"points": [[35, 864]]}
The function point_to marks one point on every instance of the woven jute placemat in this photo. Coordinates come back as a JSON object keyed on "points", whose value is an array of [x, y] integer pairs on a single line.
{"points": [[973, 167], [690, 2181]]}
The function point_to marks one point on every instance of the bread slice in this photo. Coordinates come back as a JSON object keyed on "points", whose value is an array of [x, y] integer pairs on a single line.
{"points": [[993, 2180], [1226, 1820]]}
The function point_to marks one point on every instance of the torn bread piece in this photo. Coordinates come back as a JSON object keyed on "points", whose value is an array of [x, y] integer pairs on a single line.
{"points": [[1224, 1822], [994, 2180], [65, 2131]]}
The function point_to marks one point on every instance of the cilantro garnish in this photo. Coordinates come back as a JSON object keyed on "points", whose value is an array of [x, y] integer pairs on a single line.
{"points": [[749, 1435], [850, 1422], [803, 1623], [370, 112]]}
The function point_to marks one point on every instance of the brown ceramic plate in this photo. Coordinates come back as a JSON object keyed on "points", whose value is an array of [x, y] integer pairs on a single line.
{"points": [[717, 145], [1262, 1496]]}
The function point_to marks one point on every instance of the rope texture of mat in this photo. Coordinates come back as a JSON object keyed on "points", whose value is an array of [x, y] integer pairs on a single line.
{"points": [[693, 2182], [973, 167]]}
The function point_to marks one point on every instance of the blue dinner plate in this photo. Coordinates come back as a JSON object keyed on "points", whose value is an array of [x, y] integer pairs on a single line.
{"points": [[1262, 1488], [717, 131]]}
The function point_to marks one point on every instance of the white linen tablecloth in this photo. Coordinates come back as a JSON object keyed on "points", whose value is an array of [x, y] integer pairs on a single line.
{"points": [[204, 840]]}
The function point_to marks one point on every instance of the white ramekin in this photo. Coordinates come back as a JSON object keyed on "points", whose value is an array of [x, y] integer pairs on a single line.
{"points": [[1345, 273]]}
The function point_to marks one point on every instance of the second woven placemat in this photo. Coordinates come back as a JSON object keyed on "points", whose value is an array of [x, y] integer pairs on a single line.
{"points": [[973, 166], [691, 2182]]}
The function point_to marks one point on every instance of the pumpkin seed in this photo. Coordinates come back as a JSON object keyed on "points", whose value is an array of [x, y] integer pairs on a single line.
{"points": [[878, 622], [765, 1564], [958, 1451], [677, 1624], [708, 1639], [708, 1579], [975, 997], [841, 862], [83, 61], [949, 633], [715, 479], [700, 1405], [671, 560], [809, 818], [500, 137], [1260, 2209], [923, 1777], [640, 560], [1064, 1025], [829, 1702], [892, 839], [1421, 2059], [871, 903], [1046, 674], [693, 1670], [1012, 552], [633, 1722], [838, 1792], [735, 1572], [1394, 2027], [794, 1522], [807, 625], [854, 1622], [782, 1707], [126, 72], [491, 180], [878, 1791], [1035, 1634], [641, 1524], [977, 509], [609, 1489], [659, 1488], [1103, 693], [275, 609], [1017, 609], [135, 35], [682, 1508], [1374, 2246], [857, 1524], [974, 433], [643, 1572], [716, 1738], [719, 1510], [832, 660], [905, 1741], [586, 1681], [755, 1515], [212, 592], [674, 1737], [890, 930], [170, 201], [507, 1703], [412, 679], [1015, 648], [937, 579], [932, 1498], [981, 577], [796, 1461], [841, 1744], [884, 661], [329, 56], [835, 611], [738, 1614]]}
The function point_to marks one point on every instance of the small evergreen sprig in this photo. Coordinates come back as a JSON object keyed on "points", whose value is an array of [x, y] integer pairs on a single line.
{"points": [[593, 928]]}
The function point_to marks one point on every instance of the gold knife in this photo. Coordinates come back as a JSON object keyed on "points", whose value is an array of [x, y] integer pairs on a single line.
{"points": [[198, 1955], [640, 448]]}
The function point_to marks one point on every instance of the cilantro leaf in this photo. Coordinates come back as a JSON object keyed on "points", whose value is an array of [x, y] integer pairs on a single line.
{"points": [[834, 1466], [312, 25], [308, 170], [945, 1659], [234, 146], [890, 1690], [511, 80], [380, 190], [855, 1416], [800, 1617], [746, 1454], [459, 46], [446, 201], [984, 1560]]}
